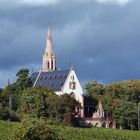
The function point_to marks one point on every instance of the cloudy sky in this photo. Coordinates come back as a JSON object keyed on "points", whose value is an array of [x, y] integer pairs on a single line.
{"points": [[101, 38]]}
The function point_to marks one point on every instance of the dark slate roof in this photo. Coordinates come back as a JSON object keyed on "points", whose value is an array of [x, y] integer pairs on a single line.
{"points": [[53, 79]]}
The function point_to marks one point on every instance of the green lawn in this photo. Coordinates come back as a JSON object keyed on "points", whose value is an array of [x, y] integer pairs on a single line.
{"points": [[70, 133]]}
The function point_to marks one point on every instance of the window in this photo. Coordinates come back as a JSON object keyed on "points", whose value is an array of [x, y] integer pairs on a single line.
{"points": [[45, 78], [48, 65], [52, 64], [72, 85], [65, 76], [50, 77], [59, 76], [33, 78], [54, 76], [61, 84], [51, 84], [72, 77]]}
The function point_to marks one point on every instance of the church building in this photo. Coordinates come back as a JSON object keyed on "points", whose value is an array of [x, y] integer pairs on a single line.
{"points": [[66, 81], [61, 81]]}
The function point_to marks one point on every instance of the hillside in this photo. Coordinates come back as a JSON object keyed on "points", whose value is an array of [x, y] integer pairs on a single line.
{"points": [[70, 133]]}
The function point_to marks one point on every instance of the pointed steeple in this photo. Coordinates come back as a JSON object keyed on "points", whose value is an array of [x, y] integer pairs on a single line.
{"points": [[49, 33], [49, 62], [49, 46]]}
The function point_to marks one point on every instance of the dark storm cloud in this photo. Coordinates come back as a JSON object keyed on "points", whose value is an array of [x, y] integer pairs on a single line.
{"points": [[101, 41]]}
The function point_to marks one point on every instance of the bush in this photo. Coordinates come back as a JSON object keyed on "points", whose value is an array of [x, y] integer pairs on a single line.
{"points": [[41, 132], [4, 114], [33, 129]]}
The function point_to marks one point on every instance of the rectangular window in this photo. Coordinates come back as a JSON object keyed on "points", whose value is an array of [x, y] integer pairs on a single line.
{"points": [[72, 85]]}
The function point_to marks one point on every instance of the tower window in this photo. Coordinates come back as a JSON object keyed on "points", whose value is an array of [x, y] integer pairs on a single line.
{"points": [[48, 65], [52, 64]]}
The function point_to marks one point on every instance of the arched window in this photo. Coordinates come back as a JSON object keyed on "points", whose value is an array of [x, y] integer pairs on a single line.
{"points": [[52, 64], [48, 65]]}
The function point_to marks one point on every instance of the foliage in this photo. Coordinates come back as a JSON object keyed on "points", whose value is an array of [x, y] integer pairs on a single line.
{"points": [[11, 92], [70, 133], [6, 129], [41, 132], [94, 89], [33, 129], [57, 106], [32, 102], [10, 96], [4, 113], [44, 103], [120, 100], [23, 79]]}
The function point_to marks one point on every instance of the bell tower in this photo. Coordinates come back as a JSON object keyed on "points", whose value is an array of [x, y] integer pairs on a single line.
{"points": [[49, 59]]}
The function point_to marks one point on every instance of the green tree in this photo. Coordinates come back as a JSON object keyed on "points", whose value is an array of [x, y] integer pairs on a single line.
{"points": [[23, 79], [120, 100], [32, 102], [94, 89], [58, 106]]}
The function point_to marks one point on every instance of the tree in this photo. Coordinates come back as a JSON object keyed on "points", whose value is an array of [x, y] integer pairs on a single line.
{"points": [[32, 102], [94, 89], [23, 79], [44, 103], [120, 100], [11, 96], [58, 106]]}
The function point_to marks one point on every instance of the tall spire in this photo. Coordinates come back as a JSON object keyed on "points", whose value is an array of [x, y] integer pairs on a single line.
{"points": [[49, 46], [49, 33], [49, 62]]}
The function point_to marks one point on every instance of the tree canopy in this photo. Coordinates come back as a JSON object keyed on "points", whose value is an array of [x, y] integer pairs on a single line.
{"points": [[120, 100]]}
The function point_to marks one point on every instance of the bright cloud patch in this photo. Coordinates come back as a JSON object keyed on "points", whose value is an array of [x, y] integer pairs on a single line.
{"points": [[39, 2], [120, 2]]}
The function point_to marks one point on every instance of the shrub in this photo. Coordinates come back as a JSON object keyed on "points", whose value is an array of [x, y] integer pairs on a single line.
{"points": [[4, 114], [41, 132], [34, 129]]}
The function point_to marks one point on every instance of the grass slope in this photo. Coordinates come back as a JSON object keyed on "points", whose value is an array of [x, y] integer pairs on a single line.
{"points": [[70, 133]]}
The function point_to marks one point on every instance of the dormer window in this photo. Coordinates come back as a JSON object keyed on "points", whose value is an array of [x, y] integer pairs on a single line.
{"points": [[33, 78], [65, 76], [51, 84], [50, 77], [45, 78], [54, 76], [61, 84], [59, 76]]}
